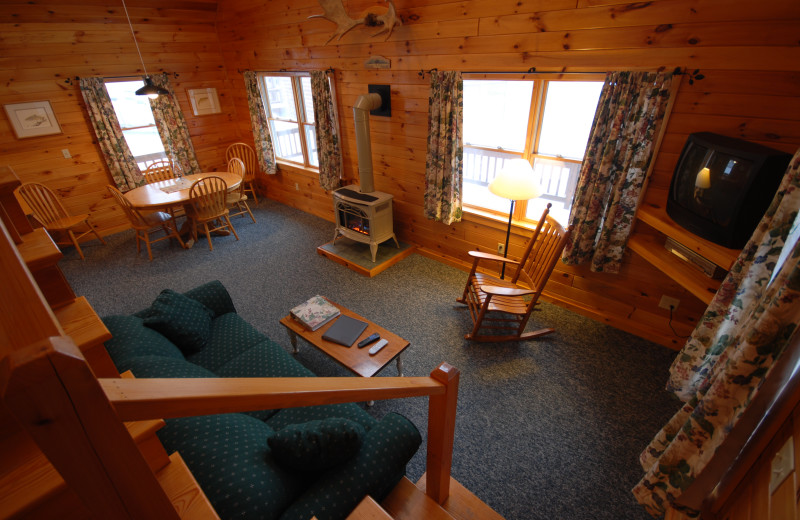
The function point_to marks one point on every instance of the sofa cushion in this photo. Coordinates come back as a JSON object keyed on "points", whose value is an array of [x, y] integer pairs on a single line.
{"points": [[374, 471], [264, 359], [159, 366], [214, 296], [351, 411], [130, 338], [229, 456], [184, 321], [316, 446], [230, 336]]}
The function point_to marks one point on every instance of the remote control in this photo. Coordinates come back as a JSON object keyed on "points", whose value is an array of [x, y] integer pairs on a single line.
{"points": [[369, 339], [378, 346]]}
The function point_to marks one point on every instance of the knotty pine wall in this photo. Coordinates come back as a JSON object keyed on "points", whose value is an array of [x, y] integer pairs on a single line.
{"points": [[747, 51], [45, 44]]}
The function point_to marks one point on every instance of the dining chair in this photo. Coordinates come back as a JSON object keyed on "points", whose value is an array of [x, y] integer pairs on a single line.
{"points": [[248, 156], [145, 224], [207, 197], [158, 171], [51, 214], [501, 308], [237, 197]]}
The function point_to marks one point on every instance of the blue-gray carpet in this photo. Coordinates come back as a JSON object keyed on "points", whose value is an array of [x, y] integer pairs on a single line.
{"points": [[546, 429]]}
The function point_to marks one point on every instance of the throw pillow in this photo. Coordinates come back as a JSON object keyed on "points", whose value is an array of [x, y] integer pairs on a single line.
{"points": [[182, 320], [316, 446]]}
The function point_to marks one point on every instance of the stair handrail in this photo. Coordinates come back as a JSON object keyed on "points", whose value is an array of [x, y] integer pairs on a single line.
{"points": [[165, 398]]}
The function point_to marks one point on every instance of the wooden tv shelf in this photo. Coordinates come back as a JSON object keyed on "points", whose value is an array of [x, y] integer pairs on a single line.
{"points": [[650, 246]]}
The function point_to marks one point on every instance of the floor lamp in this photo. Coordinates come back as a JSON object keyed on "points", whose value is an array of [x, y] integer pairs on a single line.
{"points": [[514, 182]]}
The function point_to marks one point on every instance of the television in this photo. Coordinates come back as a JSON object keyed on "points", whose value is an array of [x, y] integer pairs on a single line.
{"points": [[722, 186]]}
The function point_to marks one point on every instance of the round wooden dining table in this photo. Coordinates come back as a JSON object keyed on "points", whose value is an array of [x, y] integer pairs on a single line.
{"points": [[153, 197]]}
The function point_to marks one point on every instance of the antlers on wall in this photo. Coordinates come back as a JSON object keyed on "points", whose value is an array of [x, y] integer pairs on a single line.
{"points": [[334, 12]]}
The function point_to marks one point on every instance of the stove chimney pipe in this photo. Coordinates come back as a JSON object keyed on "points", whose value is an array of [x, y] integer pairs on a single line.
{"points": [[363, 105]]}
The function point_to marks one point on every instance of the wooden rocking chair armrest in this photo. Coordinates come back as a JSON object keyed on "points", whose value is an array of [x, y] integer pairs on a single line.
{"points": [[505, 291], [480, 255]]}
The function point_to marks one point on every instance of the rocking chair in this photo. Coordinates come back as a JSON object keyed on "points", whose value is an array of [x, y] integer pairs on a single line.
{"points": [[502, 308]]}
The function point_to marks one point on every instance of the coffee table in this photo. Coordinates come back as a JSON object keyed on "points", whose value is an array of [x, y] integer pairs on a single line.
{"points": [[355, 359]]}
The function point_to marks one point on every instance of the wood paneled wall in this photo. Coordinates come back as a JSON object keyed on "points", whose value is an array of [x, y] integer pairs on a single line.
{"points": [[46, 44], [748, 53]]}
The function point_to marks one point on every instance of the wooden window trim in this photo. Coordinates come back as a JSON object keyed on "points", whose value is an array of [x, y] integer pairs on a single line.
{"points": [[302, 117], [535, 119]]}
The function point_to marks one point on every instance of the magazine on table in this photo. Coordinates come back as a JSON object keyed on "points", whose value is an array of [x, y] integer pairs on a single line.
{"points": [[315, 312]]}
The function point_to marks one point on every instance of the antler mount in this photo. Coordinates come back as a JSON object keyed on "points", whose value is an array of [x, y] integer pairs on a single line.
{"points": [[334, 11]]}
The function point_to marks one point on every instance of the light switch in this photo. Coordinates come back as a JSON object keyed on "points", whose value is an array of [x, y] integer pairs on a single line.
{"points": [[782, 465], [66, 154]]}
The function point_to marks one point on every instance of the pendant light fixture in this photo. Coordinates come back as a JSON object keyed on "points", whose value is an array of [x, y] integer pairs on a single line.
{"points": [[148, 89]]}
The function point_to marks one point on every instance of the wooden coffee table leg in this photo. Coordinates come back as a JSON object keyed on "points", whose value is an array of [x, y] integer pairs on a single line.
{"points": [[293, 340]]}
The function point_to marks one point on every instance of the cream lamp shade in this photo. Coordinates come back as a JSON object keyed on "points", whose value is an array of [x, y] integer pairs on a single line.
{"points": [[703, 180], [515, 181]]}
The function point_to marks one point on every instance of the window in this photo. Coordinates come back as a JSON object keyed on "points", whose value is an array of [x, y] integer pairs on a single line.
{"points": [[290, 111], [136, 119], [545, 121]]}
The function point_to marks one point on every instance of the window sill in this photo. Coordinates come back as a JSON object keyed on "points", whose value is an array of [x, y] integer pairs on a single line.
{"points": [[294, 167], [495, 221]]}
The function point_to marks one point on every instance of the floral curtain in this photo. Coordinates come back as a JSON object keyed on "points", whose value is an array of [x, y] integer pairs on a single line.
{"points": [[444, 164], [118, 156], [172, 128], [613, 171], [731, 351], [258, 118], [326, 124]]}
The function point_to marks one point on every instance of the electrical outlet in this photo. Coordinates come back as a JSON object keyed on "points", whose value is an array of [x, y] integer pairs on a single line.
{"points": [[668, 301], [66, 154], [501, 248], [296, 186]]}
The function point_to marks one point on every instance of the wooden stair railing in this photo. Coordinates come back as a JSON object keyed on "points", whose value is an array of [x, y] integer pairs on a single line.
{"points": [[77, 419], [137, 399]]}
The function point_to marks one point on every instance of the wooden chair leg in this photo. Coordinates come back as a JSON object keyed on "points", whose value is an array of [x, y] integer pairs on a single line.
{"points": [[230, 226], [252, 189], [174, 231], [94, 230], [247, 207], [147, 243], [479, 318], [75, 242], [208, 236]]}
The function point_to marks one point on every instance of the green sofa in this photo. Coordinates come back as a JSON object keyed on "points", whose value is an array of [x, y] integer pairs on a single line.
{"points": [[247, 463]]}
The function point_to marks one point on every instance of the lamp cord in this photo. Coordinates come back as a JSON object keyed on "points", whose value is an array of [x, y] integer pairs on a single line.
{"points": [[134, 38]]}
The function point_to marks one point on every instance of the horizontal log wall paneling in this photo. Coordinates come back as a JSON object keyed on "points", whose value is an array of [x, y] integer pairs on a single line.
{"points": [[747, 52], [46, 44]]}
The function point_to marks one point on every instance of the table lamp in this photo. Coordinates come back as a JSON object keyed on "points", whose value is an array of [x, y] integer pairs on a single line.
{"points": [[514, 182]]}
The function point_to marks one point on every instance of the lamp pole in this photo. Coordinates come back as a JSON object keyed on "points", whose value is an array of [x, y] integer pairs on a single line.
{"points": [[508, 234]]}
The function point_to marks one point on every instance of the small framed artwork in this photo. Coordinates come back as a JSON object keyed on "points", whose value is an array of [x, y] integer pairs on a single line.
{"points": [[32, 119], [204, 101]]}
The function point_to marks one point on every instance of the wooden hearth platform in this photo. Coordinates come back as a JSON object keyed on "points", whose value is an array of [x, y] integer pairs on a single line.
{"points": [[356, 256]]}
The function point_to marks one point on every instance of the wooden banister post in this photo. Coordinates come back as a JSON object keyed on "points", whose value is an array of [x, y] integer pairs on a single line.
{"points": [[53, 393], [441, 430]]}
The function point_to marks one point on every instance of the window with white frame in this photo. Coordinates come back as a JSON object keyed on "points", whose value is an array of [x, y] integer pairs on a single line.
{"points": [[290, 112], [545, 121], [136, 119]]}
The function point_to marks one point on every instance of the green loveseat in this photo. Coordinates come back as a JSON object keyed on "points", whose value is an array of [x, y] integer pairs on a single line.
{"points": [[229, 454]]}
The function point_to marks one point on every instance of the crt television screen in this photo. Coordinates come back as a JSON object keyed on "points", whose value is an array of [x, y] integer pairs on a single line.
{"points": [[712, 193]]}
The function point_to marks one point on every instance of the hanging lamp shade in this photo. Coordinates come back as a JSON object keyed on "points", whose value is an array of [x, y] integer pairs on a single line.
{"points": [[150, 90]]}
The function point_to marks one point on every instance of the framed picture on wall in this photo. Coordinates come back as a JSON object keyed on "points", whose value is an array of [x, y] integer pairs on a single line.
{"points": [[32, 119], [204, 101]]}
